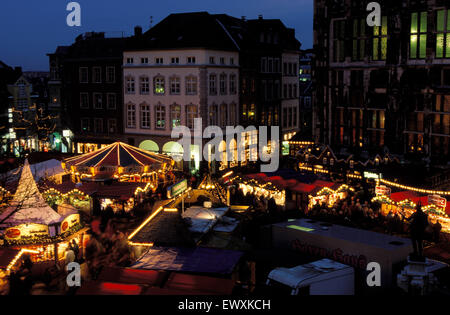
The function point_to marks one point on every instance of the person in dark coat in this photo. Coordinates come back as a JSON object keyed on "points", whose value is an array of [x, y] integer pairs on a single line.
{"points": [[418, 224]]}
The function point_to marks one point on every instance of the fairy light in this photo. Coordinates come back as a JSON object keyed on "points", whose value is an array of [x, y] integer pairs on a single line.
{"points": [[19, 254], [419, 190], [145, 223]]}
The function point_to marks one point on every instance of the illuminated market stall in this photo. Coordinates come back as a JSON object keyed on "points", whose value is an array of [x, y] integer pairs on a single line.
{"points": [[327, 196], [121, 162], [404, 203], [31, 225]]}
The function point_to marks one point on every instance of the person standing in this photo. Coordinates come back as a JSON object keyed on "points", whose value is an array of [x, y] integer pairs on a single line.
{"points": [[418, 224]]}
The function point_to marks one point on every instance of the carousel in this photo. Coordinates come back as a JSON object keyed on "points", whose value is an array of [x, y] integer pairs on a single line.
{"points": [[121, 162], [30, 225]]}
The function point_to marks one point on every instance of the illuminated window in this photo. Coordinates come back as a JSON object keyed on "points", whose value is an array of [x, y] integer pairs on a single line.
{"points": [[129, 87], [175, 85], [380, 40], [212, 84], [252, 112], [159, 85], [244, 111], [418, 38], [131, 116], [359, 39], [145, 116], [191, 85], [160, 116], [443, 34], [145, 85], [175, 115]]}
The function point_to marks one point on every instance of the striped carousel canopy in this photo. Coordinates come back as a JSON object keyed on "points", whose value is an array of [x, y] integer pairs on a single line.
{"points": [[118, 157]]}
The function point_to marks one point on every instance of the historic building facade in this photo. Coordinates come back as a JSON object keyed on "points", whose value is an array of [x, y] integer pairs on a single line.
{"points": [[384, 88]]}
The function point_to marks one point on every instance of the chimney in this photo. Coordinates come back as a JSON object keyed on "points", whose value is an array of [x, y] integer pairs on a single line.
{"points": [[137, 31], [260, 17]]}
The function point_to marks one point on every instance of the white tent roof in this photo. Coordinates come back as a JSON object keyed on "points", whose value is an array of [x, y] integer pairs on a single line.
{"points": [[305, 274], [28, 205]]}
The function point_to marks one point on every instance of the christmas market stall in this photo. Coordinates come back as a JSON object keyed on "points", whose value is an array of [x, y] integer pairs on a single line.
{"points": [[85, 196], [404, 204], [121, 162], [29, 224], [327, 193]]}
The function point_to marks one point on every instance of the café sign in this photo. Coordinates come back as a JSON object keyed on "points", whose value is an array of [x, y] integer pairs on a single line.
{"points": [[25, 231], [69, 222]]}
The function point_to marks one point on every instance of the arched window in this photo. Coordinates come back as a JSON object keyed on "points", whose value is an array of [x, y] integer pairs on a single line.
{"points": [[175, 115]]}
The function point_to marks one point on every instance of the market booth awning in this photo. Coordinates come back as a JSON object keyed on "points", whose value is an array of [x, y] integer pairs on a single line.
{"points": [[117, 159]]}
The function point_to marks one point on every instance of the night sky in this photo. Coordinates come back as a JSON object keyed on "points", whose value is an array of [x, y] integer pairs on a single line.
{"points": [[32, 28]]}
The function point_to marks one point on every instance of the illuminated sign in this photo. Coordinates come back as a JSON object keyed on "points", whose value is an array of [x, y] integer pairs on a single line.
{"points": [[383, 191], [69, 222], [437, 201], [177, 189], [25, 231], [371, 175]]}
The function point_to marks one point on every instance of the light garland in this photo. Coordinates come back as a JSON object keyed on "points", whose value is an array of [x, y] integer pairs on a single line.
{"points": [[419, 190], [19, 254]]}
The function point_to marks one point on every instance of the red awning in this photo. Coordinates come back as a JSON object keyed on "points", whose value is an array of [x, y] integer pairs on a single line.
{"points": [[322, 183], [303, 188]]}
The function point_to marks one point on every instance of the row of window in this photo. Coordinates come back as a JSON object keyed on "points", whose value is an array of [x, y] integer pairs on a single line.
{"points": [[222, 115], [98, 125], [159, 114], [96, 75], [227, 85], [273, 65], [99, 100], [419, 31], [176, 60]]}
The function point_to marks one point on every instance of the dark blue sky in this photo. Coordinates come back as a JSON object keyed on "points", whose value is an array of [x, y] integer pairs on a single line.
{"points": [[29, 29]]}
